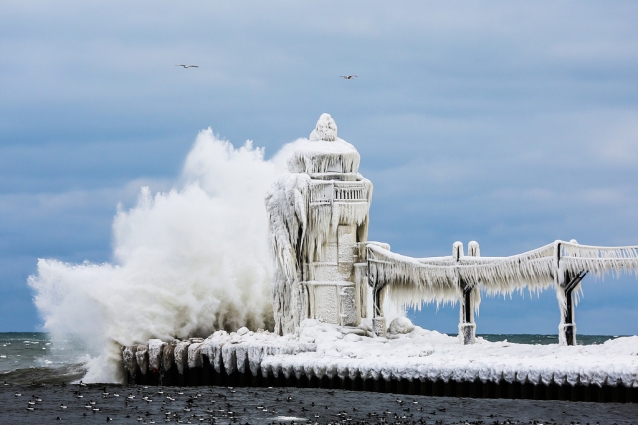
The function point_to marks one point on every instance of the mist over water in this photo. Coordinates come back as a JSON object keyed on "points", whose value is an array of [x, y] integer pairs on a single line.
{"points": [[185, 263]]}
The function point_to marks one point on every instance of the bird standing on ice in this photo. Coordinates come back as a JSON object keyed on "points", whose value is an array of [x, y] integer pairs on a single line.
{"points": [[348, 77]]}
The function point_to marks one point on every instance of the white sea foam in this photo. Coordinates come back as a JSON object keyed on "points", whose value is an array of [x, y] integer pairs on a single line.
{"points": [[185, 262]]}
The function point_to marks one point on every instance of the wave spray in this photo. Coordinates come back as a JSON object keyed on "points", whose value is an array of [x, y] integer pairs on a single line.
{"points": [[185, 263]]}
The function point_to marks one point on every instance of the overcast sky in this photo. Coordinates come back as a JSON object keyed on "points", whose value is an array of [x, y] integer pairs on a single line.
{"points": [[510, 123]]}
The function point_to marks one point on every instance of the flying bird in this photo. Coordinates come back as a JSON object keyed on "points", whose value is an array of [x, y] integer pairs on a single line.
{"points": [[188, 66], [348, 77]]}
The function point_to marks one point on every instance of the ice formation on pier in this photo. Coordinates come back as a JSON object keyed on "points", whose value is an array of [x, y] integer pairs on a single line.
{"points": [[409, 352], [433, 279], [318, 222], [561, 265]]}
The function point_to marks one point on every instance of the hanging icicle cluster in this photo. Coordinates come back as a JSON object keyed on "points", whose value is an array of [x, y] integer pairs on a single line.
{"points": [[287, 206], [412, 281], [598, 260]]}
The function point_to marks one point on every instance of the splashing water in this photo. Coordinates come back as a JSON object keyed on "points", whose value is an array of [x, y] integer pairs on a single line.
{"points": [[185, 263]]}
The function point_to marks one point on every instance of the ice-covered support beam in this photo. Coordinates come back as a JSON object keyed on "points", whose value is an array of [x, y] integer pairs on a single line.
{"points": [[129, 360], [168, 356], [470, 294], [565, 294], [378, 320], [155, 352], [566, 282], [180, 354], [141, 355]]}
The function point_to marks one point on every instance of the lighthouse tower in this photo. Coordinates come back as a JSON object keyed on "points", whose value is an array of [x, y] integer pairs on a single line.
{"points": [[318, 216]]}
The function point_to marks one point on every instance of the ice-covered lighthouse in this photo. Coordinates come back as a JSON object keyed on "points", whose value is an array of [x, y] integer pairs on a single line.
{"points": [[318, 222]]}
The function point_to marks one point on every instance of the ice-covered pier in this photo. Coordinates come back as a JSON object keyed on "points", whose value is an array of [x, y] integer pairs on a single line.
{"points": [[328, 293], [409, 360]]}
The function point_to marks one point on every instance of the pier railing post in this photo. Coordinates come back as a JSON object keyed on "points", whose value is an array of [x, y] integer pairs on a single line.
{"points": [[379, 325], [566, 283], [378, 320], [467, 326], [567, 327]]}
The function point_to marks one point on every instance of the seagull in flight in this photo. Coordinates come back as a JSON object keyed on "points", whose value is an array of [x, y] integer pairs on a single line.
{"points": [[348, 77], [188, 66]]}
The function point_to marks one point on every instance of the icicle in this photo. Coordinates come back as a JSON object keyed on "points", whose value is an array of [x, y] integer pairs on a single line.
{"points": [[287, 206], [412, 281], [415, 281]]}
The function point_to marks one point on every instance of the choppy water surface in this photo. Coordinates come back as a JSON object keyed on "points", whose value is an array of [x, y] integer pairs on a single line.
{"points": [[27, 357], [217, 405], [546, 339]]}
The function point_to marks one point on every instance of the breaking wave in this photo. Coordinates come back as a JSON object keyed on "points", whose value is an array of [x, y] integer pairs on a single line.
{"points": [[185, 263]]}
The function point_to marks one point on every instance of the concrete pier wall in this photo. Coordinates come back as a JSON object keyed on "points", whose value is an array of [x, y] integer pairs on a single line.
{"points": [[206, 375]]}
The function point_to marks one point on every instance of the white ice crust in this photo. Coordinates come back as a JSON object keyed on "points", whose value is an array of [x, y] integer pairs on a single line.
{"points": [[326, 129], [155, 348], [324, 156], [320, 349], [430, 355], [400, 325]]}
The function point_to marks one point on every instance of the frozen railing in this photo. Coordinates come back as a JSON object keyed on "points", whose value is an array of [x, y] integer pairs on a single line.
{"points": [[561, 264], [326, 192], [346, 191]]}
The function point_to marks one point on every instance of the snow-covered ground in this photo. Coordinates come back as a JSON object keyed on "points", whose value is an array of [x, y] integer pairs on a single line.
{"points": [[409, 352]]}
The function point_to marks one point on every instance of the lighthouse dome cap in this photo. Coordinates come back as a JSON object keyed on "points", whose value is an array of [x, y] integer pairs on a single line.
{"points": [[324, 152], [326, 129]]}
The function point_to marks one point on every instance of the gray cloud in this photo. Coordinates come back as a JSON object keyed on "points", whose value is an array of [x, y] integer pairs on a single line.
{"points": [[510, 123]]}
